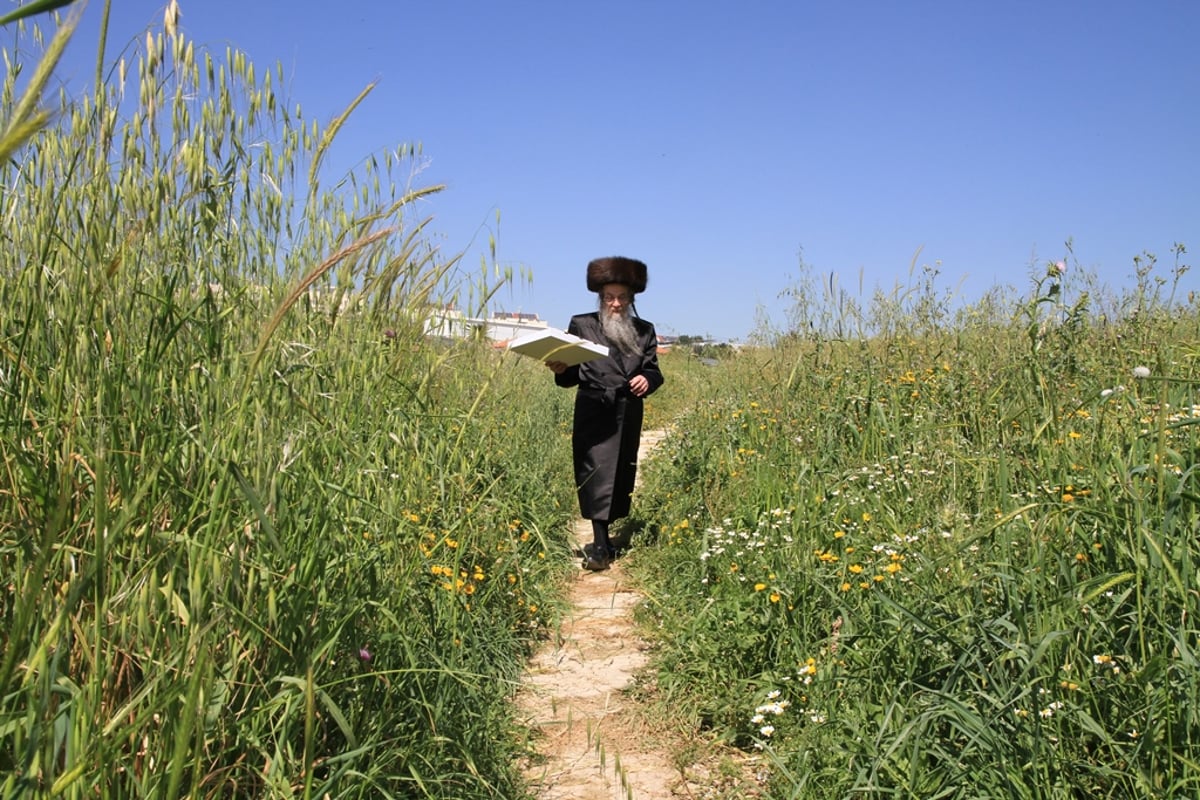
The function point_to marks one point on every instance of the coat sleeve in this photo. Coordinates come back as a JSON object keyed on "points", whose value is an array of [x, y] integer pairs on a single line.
{"points": [[570, 376], [650, 362]]}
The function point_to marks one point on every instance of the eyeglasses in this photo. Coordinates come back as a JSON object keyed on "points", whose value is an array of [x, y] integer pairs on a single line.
{"points": [[616, 298]]}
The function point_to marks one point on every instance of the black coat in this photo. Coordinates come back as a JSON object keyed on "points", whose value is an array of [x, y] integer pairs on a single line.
{"points": [[608, 418]]}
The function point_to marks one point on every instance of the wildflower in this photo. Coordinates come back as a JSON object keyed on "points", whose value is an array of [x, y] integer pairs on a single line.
{"points": [[758, 587], [364, 655], [1048, 711], [1141, 372], [774, 597], [767, 730], [1057, 268], [1106, 393]]}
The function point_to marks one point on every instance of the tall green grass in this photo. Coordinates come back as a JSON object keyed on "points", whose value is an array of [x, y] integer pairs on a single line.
{"points": [[259, 535], [946, 554]]}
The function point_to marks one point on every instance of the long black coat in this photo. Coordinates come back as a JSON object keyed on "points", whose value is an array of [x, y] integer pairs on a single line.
{"points": [[608, 418]]}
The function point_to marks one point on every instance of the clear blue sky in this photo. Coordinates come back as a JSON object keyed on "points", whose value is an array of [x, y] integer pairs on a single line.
{"points": [[720, 141]]}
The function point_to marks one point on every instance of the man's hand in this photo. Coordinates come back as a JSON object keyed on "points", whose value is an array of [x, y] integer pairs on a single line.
{"points": [[639, 385], [557, 367]]}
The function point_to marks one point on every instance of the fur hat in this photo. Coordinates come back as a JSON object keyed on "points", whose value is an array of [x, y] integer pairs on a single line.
{"points": [[616, 269]]}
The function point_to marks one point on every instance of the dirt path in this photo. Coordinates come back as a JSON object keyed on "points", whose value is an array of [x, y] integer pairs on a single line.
{"points": [[593, 741]]}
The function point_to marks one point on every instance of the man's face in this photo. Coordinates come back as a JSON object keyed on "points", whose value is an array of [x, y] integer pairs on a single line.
{"points": [[615, 299]]}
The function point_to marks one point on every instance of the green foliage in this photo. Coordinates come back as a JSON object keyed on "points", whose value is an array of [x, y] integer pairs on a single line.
{"points": [[950, 559], [24, 119], [260, 537]]}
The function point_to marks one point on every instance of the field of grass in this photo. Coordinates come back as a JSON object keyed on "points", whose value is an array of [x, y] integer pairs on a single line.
{"points": [[951, 560], [261, 536]]}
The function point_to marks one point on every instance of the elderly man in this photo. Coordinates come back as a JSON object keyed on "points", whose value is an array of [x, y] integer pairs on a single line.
{"points": [[608, 401]]}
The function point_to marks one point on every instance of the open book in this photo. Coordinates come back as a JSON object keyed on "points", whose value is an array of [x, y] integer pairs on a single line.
{"points": [[551, 344]]}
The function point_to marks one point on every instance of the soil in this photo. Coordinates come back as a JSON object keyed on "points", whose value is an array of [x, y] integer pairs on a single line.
{"points": [[584, 699]]}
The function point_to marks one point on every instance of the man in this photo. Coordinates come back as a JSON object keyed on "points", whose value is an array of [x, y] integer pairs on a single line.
{"points": [[608, 402]]}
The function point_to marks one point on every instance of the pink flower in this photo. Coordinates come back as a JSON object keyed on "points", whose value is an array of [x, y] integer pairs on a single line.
{"points": [[365, 654]]}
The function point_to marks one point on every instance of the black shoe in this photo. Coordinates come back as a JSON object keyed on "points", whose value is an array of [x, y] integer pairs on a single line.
{"points": [[595, 563]]}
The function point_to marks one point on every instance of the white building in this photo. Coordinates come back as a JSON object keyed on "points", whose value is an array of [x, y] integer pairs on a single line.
{"points": [[500, 327]]}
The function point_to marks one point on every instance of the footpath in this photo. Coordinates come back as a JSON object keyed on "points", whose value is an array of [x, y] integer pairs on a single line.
{"points": [[593, 741]]}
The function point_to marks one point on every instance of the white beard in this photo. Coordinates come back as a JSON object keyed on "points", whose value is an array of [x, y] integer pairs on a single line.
{"points": [[618, 329]]}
